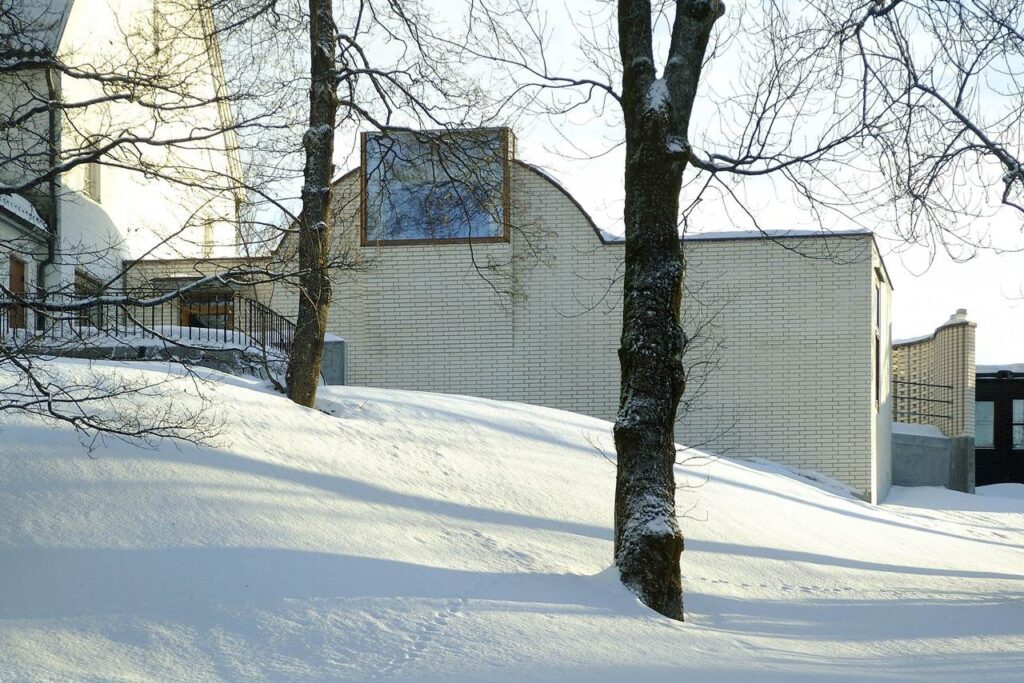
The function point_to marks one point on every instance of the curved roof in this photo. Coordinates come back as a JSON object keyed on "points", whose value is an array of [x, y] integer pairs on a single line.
{"points": [[607, 238], [35, 25], [601, 235]]}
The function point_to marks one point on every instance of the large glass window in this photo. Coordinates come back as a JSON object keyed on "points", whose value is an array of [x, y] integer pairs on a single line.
{"points": [[435, 186], [984, 424]]}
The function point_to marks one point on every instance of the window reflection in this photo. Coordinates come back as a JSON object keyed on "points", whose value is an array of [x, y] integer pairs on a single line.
{"points": [[984, 424]]}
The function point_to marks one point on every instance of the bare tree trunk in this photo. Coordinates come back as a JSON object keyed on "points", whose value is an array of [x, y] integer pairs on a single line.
{"points": [[314, 226], [648, 541]]}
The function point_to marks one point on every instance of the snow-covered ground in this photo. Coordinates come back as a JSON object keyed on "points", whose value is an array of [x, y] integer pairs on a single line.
{"points": [[415, 537]]}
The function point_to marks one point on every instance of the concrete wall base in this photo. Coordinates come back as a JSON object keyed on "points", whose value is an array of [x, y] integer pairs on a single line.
{"points": [[919, 460]]}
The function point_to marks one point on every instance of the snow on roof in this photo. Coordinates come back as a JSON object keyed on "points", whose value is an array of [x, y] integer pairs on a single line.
{"points": [[959, 317], [770, 234], [912, 340], [36, 24], [916, 430], [21, 208], [1004, 367]]}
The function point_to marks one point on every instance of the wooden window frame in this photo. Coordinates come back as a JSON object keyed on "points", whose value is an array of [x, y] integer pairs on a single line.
{"points": [[508, 149]]}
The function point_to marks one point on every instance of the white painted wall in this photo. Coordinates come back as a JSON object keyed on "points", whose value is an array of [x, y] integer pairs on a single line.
{"points": [[137, 215]]}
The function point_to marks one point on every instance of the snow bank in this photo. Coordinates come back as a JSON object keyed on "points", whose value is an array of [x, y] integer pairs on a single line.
{"points": [[1002, 491], [413, 537]]}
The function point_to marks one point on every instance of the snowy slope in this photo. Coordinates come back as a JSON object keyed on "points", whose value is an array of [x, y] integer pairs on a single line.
{"points": [[416, 537]]}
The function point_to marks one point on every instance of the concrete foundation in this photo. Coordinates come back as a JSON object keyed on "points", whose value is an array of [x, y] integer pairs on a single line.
{"points": [[924, 460]]}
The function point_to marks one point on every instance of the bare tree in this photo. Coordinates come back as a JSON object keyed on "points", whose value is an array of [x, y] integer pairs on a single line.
{"points": [[386, 68], [656, 112], [314, 222], [151, 107], [906, 114]]}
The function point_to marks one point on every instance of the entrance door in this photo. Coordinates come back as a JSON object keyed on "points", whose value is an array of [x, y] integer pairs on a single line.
{"points": [[17, 287], [988, 463]]}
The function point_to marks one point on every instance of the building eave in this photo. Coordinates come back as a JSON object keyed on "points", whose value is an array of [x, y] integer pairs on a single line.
{"points": [[24, 226]]}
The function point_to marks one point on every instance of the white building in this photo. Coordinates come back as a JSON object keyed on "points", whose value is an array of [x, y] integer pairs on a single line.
{"points": [[74, 230], [481, 274], [790, 353]]}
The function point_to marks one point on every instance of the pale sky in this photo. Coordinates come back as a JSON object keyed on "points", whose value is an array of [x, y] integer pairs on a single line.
{"points": [[927, 289]]}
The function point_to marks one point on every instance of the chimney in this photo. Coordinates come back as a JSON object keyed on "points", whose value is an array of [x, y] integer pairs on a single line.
{"points": [[959, 317]]}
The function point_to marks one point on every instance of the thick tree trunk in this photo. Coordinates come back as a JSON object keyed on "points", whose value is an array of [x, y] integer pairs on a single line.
{"points": [[648, 542], [314, 225]]}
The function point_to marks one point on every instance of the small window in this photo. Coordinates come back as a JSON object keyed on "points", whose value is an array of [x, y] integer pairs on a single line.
{"points": [[86, 287], [92, 185], [208, 310], [878, 306], [878, 370], [207, 239], [984, 424]]}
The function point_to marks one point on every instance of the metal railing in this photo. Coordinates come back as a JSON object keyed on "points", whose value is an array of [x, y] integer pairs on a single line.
{"points": [[197, 318], [920, 400]]}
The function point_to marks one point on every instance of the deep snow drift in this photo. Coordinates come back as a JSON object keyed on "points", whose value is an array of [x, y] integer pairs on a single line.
{"points": [[415, 537]]}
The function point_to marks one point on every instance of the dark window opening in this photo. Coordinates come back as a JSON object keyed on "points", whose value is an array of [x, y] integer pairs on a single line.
{"points": [[984, 424], [16, 285], [878, 370], [207, 310], [1018, 424], [86, 287]]}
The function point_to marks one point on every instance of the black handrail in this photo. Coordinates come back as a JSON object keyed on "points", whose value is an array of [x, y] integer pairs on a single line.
{"points": [[906, 392], [203, 318]]}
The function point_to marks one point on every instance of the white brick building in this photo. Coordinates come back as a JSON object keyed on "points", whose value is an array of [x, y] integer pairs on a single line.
{"points": [[790, 351], [786, 328]]}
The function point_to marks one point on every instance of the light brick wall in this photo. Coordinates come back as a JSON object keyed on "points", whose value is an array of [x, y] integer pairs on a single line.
{"points": [[782, 364], [786, 328], [944, 358]]}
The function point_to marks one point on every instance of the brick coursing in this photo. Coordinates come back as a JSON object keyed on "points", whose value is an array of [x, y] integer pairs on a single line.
{"points": [[944, 358], [780, 362]]}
